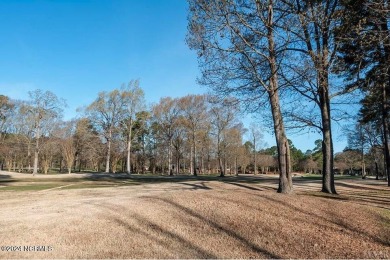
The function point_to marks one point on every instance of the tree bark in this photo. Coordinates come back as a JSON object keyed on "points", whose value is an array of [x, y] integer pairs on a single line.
{"points": [[128, 161], [376, 170], [385, 131], [285, 180], [194, 143], [327, 143], [29, 155], [255, 172], [108, 152], [178, 165], [36, 152], [222, 173], [236, 166], [170, 158], [191, 158]]}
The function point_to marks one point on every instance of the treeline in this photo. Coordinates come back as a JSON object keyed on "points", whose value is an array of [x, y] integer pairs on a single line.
{"points": [[194, 134]]}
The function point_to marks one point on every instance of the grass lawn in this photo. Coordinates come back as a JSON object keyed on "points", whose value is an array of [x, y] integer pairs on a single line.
{"points": [[107, 216]]}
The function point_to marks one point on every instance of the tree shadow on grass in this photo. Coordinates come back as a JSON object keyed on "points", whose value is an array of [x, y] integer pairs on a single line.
{"points": [[145, 224], [334, 219], [255, 248], [355, 186], [245, 186], [357, 194], [187, 180], [6, 179], [196, 186]]}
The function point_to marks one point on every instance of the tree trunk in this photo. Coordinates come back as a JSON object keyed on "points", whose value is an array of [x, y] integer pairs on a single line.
{"points": [[254, 155], [385, 132], [79, 164], [29, 155], [194, 143], [178, 164], [128, 161], [222, 173], [202, 164], [285, 180], [191, 163], [328, 185], [255, 164], [225, 165], [108, 152], [36, 152], [363, 170], [170, 158], [235, 166], [327, 150], [376, 170]]}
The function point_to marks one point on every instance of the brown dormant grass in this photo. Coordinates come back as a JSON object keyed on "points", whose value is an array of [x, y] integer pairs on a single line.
{"points": [[198, 219]]}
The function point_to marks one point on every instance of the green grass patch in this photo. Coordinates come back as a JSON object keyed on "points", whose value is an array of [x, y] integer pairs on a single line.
{"points": [[337, 177], [385, 215], [39, 184], [97, 185], [31, 187]]}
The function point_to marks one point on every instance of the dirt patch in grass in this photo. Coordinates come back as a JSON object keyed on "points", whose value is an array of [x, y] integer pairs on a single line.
{"points": [[192, 219]]}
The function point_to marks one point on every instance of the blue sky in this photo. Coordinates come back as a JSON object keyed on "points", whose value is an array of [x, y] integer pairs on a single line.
{"points": [[79, 48]]}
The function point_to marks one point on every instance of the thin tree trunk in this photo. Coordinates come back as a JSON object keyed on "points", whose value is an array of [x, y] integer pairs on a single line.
{"points": [[222, 173], [235, 166], [36, 152], [376, 170], [285, 180], [202, 163], [385, 132], [29, 155], [108, 152], [363, 170], [128, 161], [79, 160], [194, 143], [191, 159], [170, 158], [178, 165], [225, 164], [255, 164], [254, 155]]}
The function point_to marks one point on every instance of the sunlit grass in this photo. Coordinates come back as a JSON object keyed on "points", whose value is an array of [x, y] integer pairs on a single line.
{"points": [[31, 187], [338, 177]]}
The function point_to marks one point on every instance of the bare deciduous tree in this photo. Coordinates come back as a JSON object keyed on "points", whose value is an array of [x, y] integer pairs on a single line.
{"points": [[42, 109], [223, 116], [134, 103], [256, 137], [166, 115], [313, 32], [194, 111], [66, 139], [106, 112], [239, 46]]}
